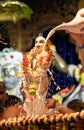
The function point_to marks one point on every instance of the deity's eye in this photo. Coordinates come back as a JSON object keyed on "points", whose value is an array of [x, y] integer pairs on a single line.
{"points": [[16, 68], [13, 68], [5, 72], [41, 41]]}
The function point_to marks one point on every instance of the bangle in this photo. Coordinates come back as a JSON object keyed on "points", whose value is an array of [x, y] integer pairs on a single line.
{"points": [[80, 47]]}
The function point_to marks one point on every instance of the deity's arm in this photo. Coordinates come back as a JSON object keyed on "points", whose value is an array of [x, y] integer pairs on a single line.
{"points": [[62, 66]]}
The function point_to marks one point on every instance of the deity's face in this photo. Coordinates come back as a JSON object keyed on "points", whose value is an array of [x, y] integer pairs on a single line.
{"points": [[40, 41], [10, 75], [9, 70]]}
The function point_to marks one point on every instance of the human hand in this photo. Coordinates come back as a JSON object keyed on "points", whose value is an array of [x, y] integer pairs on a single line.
{"points": [[50, 103]]}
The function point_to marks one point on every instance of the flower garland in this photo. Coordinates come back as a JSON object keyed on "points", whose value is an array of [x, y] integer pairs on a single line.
{"points": [[34, 65]]}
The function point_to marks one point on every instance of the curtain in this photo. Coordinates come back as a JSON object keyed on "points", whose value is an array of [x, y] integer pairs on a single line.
{"points": [[67, 51]]}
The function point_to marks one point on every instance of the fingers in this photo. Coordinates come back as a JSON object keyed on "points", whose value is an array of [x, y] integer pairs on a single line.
{"points": [[82, 14], [82, 29]]}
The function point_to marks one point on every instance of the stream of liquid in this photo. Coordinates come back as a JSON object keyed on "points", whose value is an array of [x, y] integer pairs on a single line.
{"points": [[35, 105]]}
